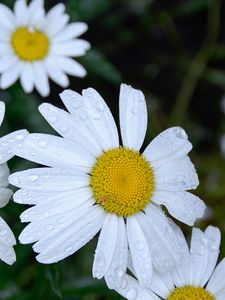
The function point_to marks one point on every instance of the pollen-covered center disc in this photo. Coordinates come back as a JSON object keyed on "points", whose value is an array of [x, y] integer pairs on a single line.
{"points": [[191, 293], [30, 45], [122, 181]]}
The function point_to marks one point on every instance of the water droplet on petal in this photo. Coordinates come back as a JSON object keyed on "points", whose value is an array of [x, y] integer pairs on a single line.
{"points": [[32, 177], [131, 294]]}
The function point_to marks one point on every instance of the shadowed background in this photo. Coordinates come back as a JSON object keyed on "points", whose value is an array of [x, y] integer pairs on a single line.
{"points": [[174, 51]]}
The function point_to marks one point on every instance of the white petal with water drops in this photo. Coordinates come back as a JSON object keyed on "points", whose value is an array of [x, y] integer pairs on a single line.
{"points": [[184, 206], [140, 252], [54, 151], [101, 118], [117, 270], [106, 246], [133, 117], [168, 145]]}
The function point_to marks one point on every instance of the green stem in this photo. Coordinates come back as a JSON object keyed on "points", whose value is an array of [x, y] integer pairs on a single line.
{"points": [[197, 65]]}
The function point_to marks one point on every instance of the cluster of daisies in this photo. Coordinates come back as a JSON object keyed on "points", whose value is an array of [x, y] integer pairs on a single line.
{"points": [[94, 181]]}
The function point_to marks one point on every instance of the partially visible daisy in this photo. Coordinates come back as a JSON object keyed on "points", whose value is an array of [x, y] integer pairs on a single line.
{"points": [[35, 46], [196, 278], [93, 183], [7, 239]]}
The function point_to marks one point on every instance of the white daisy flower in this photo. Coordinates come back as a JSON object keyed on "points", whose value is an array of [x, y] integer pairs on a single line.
{"points": [[93, 183], [35, 46], [7, 239], [194, 279]]}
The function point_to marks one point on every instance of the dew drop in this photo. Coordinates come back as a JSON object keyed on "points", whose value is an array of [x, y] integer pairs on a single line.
{"points": [[131, 294], [139, 245], [43, 143], [52, 119], [19, 137], [32, 177], [96, 116]]}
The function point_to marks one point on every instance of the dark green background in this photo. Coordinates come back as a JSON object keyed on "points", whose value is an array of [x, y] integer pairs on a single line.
{"points": [[174, 51]]}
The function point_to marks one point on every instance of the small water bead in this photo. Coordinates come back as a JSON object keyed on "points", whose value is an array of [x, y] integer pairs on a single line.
{"points": [[43, 143], [139, 245], [19, 137], [50, 227], [3, 232], [33, 178], [134, 110], [53, 119], [64, 129], [96, 117], [68, 249], [100, 107], [180, 133], [131, 294]]}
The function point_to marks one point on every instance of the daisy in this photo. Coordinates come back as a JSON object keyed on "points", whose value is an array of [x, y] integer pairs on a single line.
{"points": [[196, 278], [35, 46], [93, 183], [7, 239]]}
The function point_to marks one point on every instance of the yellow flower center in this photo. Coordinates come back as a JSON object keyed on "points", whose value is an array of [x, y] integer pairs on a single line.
{"points": [[122, 181], [30, 45], [191, 293]]}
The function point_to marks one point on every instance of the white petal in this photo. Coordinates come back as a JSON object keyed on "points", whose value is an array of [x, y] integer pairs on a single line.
{"points": [[53, 26], [133, 117], [70, 48], [2, 111], [162, 284], [11, 75], [5, 196], [67, 65], [74, 102], [76, 236], [169, 144], [6, 49], [57, 205], [21, 12], [106, 246], [7, 254], [56, 152], [49, 227], [163, 243], [56, 11], [5, 35], [116, 272], [6, 234], [69, 128], [131, 290], [27, 77], [4, 174], [216, 283], [9, 142], [49, 179], [140, 253], [183, 206], [7, 61], [203, 245], [41, 79], [56, 74], [213, 238], [36, 14], [24, 196], [71, 31], [101, 119], [7, 19], [178, 175]]}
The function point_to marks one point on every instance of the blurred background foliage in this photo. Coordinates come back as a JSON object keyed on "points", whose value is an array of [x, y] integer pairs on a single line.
{"points": [[174, 51]]}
